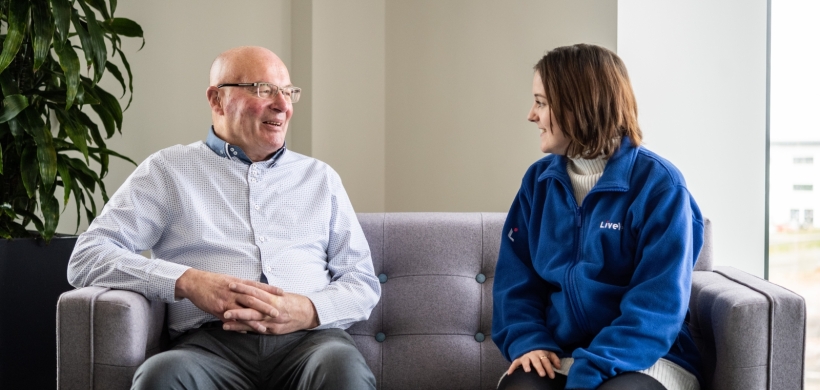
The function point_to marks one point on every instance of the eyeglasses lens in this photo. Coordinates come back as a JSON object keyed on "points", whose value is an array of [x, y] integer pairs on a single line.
{"points": [[269, 91]]}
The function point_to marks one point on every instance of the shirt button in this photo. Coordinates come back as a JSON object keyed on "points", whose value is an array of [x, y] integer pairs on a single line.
{"points": [[253, 180], [256, 207], [270, 269], [262, 239]]}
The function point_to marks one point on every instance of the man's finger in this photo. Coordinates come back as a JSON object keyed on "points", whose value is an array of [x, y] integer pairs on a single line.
{"points": [[258, 305], [264, 287], [237, 327], [244, 315], [247, 289]]}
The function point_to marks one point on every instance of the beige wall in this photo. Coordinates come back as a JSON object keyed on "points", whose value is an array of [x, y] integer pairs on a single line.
{"points": [[347, 113], [459, 82], [420, 105]]}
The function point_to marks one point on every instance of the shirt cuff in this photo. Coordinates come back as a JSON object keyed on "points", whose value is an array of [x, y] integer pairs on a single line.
{"points": [[325, 309], [163, 280]]}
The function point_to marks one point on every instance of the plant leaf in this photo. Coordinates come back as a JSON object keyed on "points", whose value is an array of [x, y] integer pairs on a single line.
{"points": [[16, 128], [1, 158], [75, 131], [42, 32], [100, 6], [87, 177], [111, 104], [130, 78], [28, 170], [62, 17], [70, 64], [13, 105], [8, 210], [100, 52], [126, 27], [50, 209], [115, 71], [65, 176], [113, 153], [78, 197], [106, 118], [85, 38], [17, 22], [113, 7], [86, 98], [92, 128], [36, 220], [97, 137], [46, 155]]}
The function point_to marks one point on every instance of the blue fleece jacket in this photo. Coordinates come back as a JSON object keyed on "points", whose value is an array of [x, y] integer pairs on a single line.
{"points": [[606, 282]]}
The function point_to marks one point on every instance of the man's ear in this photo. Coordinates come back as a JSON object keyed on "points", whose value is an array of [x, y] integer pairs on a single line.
{"points": [[214, 100]]}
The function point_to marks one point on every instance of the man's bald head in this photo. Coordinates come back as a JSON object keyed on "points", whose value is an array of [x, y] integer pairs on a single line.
{"points": [[240, 116], [237, 64]]}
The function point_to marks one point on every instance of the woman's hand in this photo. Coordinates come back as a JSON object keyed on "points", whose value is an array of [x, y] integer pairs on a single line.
{"points": [[543, 361]]}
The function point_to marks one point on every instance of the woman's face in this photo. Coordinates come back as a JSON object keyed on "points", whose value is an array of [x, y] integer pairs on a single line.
{"points": [[552, 138]]}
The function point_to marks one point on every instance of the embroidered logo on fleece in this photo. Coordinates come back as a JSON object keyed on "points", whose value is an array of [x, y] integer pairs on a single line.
{"points": [[611, 225], [509, 235]]}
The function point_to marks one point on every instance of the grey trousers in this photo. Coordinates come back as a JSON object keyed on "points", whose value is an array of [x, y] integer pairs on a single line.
{"points": [[211, 358]]}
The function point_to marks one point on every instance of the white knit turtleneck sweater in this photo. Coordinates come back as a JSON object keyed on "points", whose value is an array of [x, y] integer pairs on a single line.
{"points": [[583, 174]]}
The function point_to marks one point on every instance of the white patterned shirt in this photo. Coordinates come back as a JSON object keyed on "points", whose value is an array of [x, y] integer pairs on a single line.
{"points": [[286, 220]]}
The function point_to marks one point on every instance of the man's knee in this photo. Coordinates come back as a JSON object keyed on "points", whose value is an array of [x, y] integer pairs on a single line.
{"points": [[167, 370], [337, 360]]}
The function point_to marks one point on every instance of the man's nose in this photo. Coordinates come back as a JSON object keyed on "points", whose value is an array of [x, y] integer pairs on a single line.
{"points": [[279, 102]]}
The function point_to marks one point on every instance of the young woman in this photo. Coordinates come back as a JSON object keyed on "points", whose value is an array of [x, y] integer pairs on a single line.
{"points": [[594, 274]]}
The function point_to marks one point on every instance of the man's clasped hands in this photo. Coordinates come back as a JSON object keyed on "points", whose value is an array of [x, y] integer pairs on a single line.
{"points": [[246, 305]]}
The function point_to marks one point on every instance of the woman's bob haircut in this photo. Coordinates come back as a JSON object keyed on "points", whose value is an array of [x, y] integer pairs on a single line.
{"points": [[589, 92]]}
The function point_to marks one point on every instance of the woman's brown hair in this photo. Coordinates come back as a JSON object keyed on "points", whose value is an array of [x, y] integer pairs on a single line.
{"points": [[589, 92]]}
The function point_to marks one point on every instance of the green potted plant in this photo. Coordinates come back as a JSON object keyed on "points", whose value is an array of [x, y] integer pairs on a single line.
{"points": [[54, 121]]}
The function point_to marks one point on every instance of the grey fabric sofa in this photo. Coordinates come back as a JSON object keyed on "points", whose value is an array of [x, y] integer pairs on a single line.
{"points": [[431, 328]]}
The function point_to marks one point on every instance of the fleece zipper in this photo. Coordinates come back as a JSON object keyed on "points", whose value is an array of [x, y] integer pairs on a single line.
{"points": [[574, 295]]}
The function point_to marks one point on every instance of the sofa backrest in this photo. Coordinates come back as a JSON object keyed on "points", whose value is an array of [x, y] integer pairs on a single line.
{"points": [[431, 328]]}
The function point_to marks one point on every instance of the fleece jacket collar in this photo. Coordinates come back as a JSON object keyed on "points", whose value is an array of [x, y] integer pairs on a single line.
{"points": [[616, 173]]}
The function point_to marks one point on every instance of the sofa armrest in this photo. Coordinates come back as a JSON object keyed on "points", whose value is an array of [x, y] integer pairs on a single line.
{"points": [[751, 332], [105, 334]]}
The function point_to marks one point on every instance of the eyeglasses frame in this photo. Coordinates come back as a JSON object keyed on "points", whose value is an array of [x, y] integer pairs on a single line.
{"points": [[296, 90]]}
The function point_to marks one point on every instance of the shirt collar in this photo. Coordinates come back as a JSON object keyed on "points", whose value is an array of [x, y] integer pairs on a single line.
{"points": [[226, 150]]}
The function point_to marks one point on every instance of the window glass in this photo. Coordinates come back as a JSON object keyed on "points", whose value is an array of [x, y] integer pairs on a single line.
{"points": [[794, 237]]}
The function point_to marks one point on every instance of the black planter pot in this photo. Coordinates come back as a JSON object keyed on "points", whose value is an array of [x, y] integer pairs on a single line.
{"points": [[32, 277]]}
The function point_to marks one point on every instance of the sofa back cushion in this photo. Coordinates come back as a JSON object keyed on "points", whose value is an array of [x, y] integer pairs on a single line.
{"points": [[431, 328]]}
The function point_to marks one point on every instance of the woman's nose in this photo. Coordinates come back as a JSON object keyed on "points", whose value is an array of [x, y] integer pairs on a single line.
{"points": [[532, 117]]}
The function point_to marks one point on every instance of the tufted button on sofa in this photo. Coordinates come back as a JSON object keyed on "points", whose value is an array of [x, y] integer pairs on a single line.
{"points": [[431, 328]]}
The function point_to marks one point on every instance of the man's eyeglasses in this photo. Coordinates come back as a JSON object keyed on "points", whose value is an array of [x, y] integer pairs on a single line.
{"points": [[269, 91]]}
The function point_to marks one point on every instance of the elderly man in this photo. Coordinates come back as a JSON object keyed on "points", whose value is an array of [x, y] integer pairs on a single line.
{"points": [[256, 249]]}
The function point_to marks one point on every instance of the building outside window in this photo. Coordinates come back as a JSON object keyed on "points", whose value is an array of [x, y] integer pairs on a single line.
{"points": [[794, 177]]}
